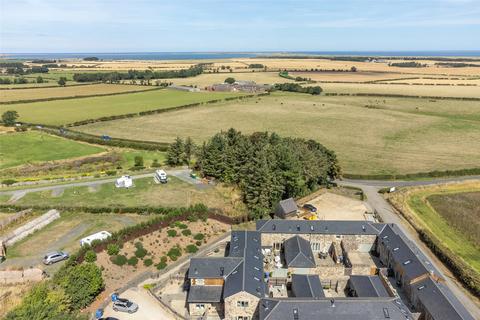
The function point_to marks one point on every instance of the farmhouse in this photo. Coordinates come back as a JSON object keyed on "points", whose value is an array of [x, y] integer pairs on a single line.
{"points": [[239, 86], [298, 269]]}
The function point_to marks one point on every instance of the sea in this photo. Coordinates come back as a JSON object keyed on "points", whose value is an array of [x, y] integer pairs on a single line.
{"points": [[230, 55]]}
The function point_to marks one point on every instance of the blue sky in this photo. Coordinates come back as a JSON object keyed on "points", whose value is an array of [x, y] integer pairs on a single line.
{"points": [[241, 25]]}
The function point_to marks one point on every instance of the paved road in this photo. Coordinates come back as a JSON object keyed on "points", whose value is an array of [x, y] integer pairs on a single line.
{"points": [[388, 215]]}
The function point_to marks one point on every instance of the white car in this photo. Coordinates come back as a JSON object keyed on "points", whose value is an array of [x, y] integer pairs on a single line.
{"points": [[54, 257]]}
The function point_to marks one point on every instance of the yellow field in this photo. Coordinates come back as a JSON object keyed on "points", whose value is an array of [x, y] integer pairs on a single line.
{"points": [[208, 79], [380, 88], [361, 76], [61, 92], [440, 81]]}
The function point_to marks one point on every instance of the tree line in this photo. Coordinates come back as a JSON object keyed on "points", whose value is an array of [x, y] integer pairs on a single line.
{"points": [[294, 87], [266, 167], [137, 74]]}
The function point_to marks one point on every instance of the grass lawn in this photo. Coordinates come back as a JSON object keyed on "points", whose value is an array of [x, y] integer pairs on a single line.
{"points": [[65, 233], [27, 147], [454, 236], [369, 135], [175, 193], [73, 91], [60, 112]]}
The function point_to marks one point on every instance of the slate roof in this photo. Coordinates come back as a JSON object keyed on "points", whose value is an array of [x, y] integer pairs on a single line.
{"points": [[318, 227], [285, 208], [437, 304], [298, 253], [344, 309], [213, 267], [307, 286], [368, 286], [205, 294], [401, 253], [248, 275]]}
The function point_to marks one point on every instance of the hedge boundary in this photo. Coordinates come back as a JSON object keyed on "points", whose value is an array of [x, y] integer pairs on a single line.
{"points": [[462, 271], [391, 95], [428, 174], [78, 97]]}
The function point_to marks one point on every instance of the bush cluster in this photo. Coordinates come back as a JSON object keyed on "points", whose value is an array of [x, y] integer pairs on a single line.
{"points": [[118, 259]]}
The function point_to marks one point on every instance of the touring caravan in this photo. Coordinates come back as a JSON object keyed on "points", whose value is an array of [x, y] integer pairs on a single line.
{"points": [[102, 235], [160, 176], [124, 182]]}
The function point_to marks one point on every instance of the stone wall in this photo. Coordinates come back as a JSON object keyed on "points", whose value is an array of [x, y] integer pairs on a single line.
{"points": [[30, 227], [232, 310]]}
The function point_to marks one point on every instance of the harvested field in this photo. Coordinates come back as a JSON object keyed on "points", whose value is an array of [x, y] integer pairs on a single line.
{"points": [[208, 79], [27, 147], [62, 92], [369, 135], [409, 90], [360, 76], [67, 111], [415, 203], [460, 210]]}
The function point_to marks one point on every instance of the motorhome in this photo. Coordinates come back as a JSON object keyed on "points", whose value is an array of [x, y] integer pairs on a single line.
{"points": [[102, 235], [160, 176], [124, 182]]}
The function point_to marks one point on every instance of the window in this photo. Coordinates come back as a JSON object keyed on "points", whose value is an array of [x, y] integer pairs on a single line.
{"points": [[242, 304], [199, 306]]}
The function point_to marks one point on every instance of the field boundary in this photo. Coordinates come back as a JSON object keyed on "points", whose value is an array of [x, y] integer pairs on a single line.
{"points": [[427, 174], [57, 86], [400, 96], [462, 270], [77, 97]]}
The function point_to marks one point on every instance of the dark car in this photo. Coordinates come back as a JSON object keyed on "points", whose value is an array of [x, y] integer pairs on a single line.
{"points": [[309, 207]]}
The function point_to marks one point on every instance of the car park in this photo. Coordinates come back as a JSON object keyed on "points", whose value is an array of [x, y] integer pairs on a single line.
{"points": [[55, 257]]}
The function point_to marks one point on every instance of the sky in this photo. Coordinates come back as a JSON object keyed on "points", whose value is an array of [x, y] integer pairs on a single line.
{"points": [[37, 26]]}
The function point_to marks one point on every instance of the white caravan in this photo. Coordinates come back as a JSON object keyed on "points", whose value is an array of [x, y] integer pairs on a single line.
{"points": [[102, 235], [160, 176], [124, 182]]}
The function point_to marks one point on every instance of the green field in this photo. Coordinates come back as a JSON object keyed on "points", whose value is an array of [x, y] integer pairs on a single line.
{"points": [[452, 235], [175, 193], [369, 135], [68, 91], [60, 112], [30, 147]]}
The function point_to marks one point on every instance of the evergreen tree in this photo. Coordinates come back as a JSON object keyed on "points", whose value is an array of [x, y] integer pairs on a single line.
{"points": [[175, 153], [189, 150]]}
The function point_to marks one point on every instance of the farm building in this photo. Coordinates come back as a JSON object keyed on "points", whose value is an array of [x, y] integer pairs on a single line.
{"points": [[286, 208]]}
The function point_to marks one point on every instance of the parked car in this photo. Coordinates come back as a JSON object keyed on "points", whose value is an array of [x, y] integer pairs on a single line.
{"points": [[309, 207], [125, 305], [54, 257]]}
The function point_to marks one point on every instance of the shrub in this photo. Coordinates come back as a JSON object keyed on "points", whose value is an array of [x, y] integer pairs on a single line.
{"points": [[155, 163], [8, 182], [199, 236], [111, 172], [90, 256], [172, 233], [138, 245], [113, 249], [140, 253], [147, 262], [174, 253], [138, 160], [132, 261], [180, 225], [161, 265], [186, 232], [191, 248], [198, 243], [119, 259], [163, 259]]}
